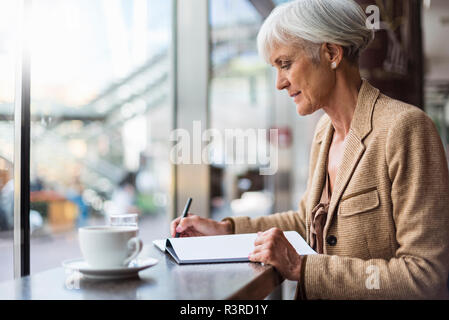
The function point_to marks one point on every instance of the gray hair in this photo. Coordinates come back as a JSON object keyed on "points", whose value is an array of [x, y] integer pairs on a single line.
{"points": [[309, 23]]}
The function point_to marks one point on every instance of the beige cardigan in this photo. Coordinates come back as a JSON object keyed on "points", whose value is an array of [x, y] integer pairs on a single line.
{"points": [[387, 230]]}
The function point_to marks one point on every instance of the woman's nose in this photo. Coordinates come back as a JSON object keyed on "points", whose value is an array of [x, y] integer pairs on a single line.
{"points": [[281, 82]]}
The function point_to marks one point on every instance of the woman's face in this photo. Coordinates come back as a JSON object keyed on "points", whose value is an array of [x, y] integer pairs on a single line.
{"points": [[309, 84]]}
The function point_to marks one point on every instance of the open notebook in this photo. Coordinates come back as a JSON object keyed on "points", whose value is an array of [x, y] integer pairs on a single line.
{"points": [[228, 248]]}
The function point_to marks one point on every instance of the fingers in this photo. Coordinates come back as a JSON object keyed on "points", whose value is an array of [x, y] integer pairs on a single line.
{"points": [[189, 222], [262, 237], [265, 246], [187, 234], [262, 256], [175, 223], [273, 234], [173, 226], [196, 225]]}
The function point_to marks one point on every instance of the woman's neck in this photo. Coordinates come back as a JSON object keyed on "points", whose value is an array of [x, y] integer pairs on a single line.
{"points": [[343, 101]]}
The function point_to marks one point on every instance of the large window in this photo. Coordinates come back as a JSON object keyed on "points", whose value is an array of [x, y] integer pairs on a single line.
{"points": [[436, 52], [9, 12], [100, 117], [240, 98], [243, 96]]}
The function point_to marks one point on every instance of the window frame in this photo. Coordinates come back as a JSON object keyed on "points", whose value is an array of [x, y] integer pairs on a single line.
{"points": [[180, 118], [21, 251]]}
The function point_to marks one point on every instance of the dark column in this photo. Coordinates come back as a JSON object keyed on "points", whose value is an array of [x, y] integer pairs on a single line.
{"points": [[394, 61]]}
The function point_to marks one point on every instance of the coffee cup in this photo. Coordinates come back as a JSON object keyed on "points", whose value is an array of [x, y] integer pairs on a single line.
{"points": [[109, 246]]}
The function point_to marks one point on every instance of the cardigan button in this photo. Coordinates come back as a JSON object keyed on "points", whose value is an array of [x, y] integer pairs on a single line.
{"points": [[331, 240]]}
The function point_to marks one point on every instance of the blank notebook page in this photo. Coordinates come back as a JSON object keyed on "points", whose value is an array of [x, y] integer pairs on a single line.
{"points": [[228, 247]]}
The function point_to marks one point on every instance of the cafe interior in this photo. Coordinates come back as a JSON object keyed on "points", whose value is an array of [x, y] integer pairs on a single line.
{"points": [[92, 93]]}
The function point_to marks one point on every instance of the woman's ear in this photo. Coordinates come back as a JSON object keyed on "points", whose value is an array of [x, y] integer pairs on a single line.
{"points": [[333, 54]]}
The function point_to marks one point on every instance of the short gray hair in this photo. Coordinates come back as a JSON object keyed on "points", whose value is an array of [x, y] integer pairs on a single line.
{"points": [[309, 23]]}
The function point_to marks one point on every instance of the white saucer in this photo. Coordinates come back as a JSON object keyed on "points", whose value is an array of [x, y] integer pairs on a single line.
{"points": [[110, 273]]}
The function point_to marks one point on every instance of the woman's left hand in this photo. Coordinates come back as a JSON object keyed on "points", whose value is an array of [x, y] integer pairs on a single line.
{"points": [[272, 247]]}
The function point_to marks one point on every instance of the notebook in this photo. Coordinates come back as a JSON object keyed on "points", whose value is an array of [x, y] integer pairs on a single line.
{"points": [[227, 248]]}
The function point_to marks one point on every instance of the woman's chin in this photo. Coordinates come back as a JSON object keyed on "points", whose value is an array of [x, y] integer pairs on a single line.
{"points": [[303, 110]]}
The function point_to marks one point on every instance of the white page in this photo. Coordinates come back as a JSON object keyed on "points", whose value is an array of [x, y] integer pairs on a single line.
{"points": [[160, 244], [299, 243], [226, 248]]}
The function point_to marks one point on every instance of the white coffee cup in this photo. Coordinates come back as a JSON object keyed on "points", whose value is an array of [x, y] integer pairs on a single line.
{"points": [[109, 246]]}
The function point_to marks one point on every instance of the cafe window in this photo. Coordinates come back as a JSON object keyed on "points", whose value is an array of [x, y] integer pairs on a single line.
{"points": [[240, 98], [243, 96], [101, 112], [9, 11]]}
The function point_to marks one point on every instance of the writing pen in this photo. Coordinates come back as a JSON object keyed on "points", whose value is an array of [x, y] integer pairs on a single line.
{"points": [[184, 213]]}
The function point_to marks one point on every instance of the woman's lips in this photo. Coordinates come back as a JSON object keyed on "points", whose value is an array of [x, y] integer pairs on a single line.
{"points": [[296, 95]]}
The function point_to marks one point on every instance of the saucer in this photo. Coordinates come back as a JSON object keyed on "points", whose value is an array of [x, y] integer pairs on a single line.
{"points": [[109, 273]]}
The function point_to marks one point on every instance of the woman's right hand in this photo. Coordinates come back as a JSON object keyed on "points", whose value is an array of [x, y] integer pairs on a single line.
{"points": [[195, 226]]}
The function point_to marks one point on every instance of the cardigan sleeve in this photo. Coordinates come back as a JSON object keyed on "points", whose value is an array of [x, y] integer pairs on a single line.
{"points": [[419, 177]]}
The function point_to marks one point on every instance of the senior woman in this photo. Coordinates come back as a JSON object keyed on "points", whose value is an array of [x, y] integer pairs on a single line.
{"points": [[376, 207]]}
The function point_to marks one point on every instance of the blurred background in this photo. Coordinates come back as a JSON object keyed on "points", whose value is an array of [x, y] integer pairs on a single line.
{"points": [[103, 104]]}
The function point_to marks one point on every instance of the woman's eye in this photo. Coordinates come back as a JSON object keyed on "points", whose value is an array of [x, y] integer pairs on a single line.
{"points": [[285, 66]]}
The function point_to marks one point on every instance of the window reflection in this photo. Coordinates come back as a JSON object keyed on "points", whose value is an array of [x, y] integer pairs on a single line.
{"points": [[241, 96], [9, 13], [101, 115]]}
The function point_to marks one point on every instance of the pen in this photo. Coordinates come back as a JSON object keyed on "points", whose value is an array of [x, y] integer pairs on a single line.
{"points": [[184, 214]]}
